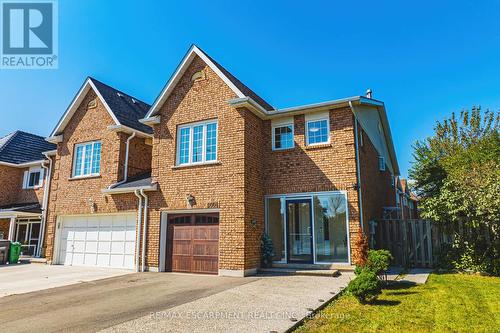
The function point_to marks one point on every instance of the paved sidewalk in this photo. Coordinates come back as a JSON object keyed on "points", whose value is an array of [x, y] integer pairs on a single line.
{"points": [[272, 303]]}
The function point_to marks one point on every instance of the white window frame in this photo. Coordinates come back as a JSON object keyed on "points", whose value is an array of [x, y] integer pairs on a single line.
{"points": [[73, 175], [274, 138], [191, 126], [27, 175], [317, 117]]}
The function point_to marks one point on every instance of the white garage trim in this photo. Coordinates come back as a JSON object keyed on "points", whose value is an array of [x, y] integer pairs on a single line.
{"points": [[98, 240]]}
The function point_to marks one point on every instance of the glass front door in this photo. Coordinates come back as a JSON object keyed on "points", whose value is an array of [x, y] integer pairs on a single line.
{"points": [[299, 231]]}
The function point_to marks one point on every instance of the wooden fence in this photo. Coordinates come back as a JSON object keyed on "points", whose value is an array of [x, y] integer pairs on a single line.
{"points": [[413, 243]]}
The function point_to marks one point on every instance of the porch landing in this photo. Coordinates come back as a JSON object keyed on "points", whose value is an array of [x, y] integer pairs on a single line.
{"points": [[300, 272]]}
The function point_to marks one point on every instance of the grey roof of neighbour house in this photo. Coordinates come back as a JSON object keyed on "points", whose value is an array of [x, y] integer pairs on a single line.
{"points": [[33, 207], [137, 181], [20, 147], [127, 109], [240, 85]]}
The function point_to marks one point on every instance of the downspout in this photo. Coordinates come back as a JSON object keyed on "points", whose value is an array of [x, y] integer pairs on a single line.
{"points": [[138, 238], [358, 169], [125, 172], [45, 204], [145, 230]]}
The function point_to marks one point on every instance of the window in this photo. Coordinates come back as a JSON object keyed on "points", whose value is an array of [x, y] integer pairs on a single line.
{"points": [[381, 163], [87, 160], [33, 178], [197, 143], [318, 131], [283, 137]]}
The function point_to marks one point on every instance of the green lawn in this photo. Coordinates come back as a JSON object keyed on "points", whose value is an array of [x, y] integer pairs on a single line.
{"points": [[446, 303]]}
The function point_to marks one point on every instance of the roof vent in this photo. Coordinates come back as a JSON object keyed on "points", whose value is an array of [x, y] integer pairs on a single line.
{"points": [[119, 94], [134, 101], [369, 93]]}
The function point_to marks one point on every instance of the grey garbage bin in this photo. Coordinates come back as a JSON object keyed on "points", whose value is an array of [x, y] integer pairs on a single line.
{"points": [[4, 251]]}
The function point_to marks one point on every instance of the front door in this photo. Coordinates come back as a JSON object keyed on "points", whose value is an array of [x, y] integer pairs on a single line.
{"points": [[299, 231]]}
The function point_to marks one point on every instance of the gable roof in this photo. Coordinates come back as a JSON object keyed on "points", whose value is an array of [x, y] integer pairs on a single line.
{"points": [[123, 108], [232, 82], [21, 147]]}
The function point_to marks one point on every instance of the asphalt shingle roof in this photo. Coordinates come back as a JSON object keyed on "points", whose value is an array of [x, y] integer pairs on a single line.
{"points": [[21, 147], [241, 86], [123, 106], [137, 181]]}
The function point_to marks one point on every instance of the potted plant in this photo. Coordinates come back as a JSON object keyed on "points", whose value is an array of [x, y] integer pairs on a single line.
{"points": [[266, 250]]}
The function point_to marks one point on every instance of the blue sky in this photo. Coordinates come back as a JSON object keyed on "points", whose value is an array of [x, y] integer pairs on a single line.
{"points": [[424, 60]]}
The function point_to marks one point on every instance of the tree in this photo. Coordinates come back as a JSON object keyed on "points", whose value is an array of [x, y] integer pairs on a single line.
{"points": [[457, 175]]}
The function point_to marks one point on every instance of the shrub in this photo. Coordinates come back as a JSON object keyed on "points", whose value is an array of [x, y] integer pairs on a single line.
{"points": [[365, 287], [378, 261], [360, 255], [266, 250]]}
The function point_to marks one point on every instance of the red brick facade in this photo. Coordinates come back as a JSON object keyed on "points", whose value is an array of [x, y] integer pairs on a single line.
{"points": [[70, 196], [12, 192], [246, 169]]}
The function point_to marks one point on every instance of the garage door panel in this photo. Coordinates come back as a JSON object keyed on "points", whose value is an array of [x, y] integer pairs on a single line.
{"points": [[106, 241], [193, 247]]}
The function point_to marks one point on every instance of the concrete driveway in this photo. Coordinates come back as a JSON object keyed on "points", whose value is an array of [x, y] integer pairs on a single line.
{"points": [[25, 278], [169, 302]]}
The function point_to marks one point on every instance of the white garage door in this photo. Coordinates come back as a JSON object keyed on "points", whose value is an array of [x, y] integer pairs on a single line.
{"points": [[102, 241]]}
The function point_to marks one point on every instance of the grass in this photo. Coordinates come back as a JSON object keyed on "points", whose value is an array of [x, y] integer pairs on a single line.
{"points": [[446, 303]]}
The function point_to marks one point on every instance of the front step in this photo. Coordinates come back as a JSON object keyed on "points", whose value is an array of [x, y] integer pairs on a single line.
{"points": [[300, 272], [336, 267]]}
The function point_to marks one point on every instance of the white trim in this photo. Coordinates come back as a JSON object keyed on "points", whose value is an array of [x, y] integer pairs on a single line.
{"points": [[174, 79], [151, 121], [23, 165], [358, 168], [309, 195], [191, 127], [84, 154], [129, 130], [77, 100], [273, 136], [152, 187], [320, 116], [27, 176], [55, 139]]}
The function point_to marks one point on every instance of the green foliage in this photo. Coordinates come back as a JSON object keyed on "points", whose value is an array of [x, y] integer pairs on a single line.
{"points": [[365, 287], [266, 250], [378, 261], [456, 173]]}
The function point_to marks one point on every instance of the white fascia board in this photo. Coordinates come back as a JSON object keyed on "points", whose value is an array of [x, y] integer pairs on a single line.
{"points": [[174, 79], [152, 187], [155, 120], [251, 105], [23, 165], [126, 129], [87, 85], [16, 214], [50, 152], [55, 139]]}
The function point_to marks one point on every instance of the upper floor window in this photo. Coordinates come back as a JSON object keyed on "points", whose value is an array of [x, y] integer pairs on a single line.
{"points": [[197, 143], [381, 163], [318, 129], [87, 160], [33, 178], [283, 137]]}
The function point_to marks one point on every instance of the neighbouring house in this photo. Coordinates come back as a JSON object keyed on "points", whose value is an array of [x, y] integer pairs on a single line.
{"points": [[23, 177], [192, 182]]}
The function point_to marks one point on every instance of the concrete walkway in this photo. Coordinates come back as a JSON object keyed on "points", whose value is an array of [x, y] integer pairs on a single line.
{"points": [[25, 278], [414, 275], [271, 303]]}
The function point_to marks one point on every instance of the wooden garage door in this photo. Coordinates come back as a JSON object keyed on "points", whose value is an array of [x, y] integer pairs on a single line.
{"points": [[193, 244]]}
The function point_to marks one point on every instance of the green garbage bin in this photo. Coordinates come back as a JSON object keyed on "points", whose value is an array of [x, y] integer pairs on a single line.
{"points": [[14, 252]]}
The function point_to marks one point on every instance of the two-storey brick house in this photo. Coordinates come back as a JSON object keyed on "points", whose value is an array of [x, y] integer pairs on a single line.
{"points": [[225, 167], [23, 175]]}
